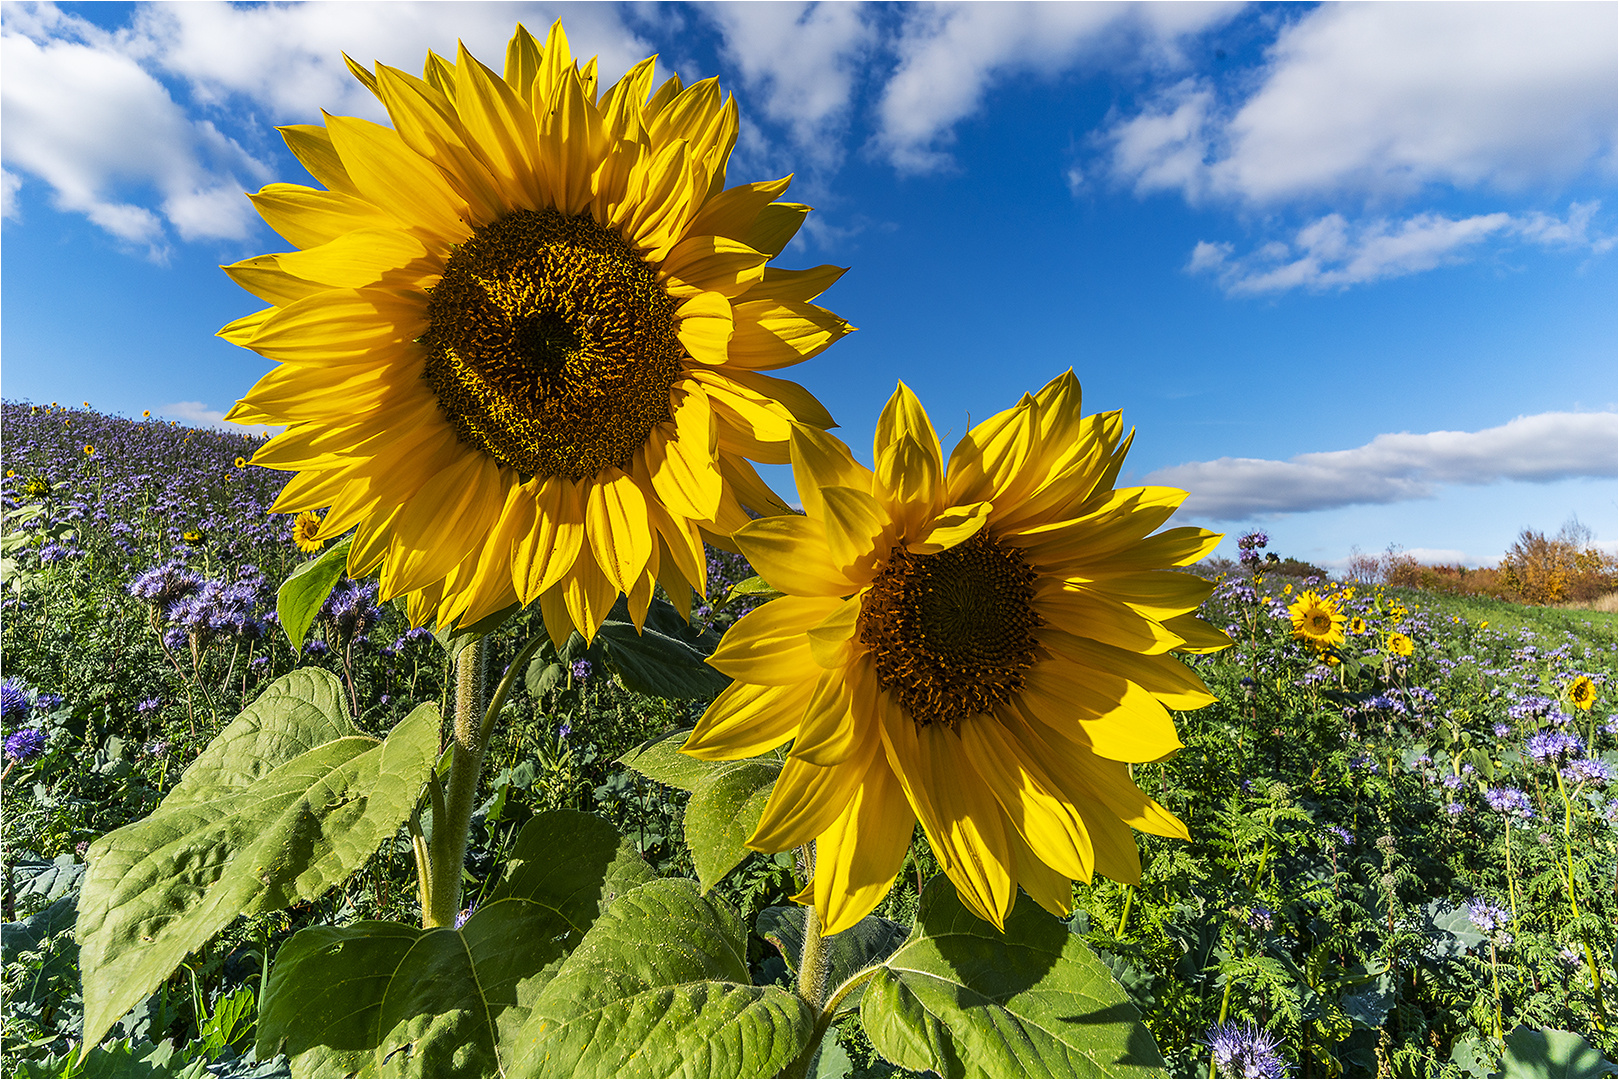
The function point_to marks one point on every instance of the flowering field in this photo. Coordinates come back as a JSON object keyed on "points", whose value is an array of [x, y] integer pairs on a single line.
{"points": [[1402, 845]]}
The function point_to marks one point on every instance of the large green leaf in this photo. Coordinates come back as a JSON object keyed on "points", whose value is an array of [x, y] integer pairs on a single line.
{"points": [[1549, 1052], [660, 759], [962, 999], [660, 987], [666, 658], [727, 800], [300, 597], [392, 1000], [288, 801], [869, 941]]}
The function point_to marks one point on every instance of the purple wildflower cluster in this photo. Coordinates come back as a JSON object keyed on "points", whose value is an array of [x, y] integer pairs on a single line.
{"points": [[1249, 547], [1510, 801], [1487, 915], [1245, 1050], [201, 609], [350, 610], [25, 745], [1552, 747], [14, 703]]}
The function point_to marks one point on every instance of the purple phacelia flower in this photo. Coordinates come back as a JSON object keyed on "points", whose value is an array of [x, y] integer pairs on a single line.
{"points": [[1245, 1050], [14, 703], [25, 745], [1510, 801]]}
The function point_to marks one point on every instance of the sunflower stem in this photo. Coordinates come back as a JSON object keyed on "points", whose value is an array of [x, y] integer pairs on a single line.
{"points": [[466, 762]]}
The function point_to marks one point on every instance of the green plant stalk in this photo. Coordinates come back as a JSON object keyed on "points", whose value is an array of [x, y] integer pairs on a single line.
{"points": [[452, 818], [1124, 916], [466, 761], [1512, 888], [1573, 903]]}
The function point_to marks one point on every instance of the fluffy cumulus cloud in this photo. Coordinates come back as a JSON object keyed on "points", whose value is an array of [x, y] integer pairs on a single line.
{"points": [[949, 54], [1363, 106], [801, 64], [1399, 467], [1331, 252], [1379, 100], [93, 114], [80, 114]]}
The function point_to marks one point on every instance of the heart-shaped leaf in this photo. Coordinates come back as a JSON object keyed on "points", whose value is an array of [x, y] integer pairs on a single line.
{"points": [[289, 800], [660, 987], [727, 800], [963, 999], [393, 1000]]}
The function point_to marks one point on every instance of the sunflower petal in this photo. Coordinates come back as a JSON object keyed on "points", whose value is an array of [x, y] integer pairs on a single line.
{"points": [[858, 857], [792, 554], [746, 720]]}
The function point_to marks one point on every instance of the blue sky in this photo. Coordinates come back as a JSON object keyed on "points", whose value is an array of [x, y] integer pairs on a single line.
{"points": [[1350, 270]]}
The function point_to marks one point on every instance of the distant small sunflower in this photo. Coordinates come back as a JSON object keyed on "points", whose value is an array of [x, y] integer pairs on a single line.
{"points": [[241, 463], [1317, 620], [146, 413], [304, 529], [1400, 645], [89, 450], [1357, 625], [1582, 693], [194, 536]]}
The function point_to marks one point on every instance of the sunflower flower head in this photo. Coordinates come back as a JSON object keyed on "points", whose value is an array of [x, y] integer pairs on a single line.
{"points": [[1399, 644], [980, 644], [1582, 693], [523, 346], [1317, 620], [306, 532], [1357, 625]]}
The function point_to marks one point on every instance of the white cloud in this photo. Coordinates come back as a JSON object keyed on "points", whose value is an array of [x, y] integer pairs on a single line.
{"points": [[950, 54], [288, 59], [1400, 467], [10, 184], [88, 112], [1379, 100], [84, 117], [803, 61], [1330, 252], [199, 414]]}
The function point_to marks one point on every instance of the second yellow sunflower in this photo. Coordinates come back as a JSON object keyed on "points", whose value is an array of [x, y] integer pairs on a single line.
{"points": [[983, 647]]}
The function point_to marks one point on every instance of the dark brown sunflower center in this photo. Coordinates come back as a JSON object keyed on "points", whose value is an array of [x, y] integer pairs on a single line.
{"points": [[952, 634], [551, 346], [1321, 624]]}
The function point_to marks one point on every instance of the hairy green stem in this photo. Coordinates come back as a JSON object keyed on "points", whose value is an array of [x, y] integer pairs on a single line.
{"points": [[466, 763], [452, 808]]}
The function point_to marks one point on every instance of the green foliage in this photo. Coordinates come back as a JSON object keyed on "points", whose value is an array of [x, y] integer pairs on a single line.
{"points": [[1551, 1053], [288, 801], [727, 800], [870, 941], [298, 601], [660, 987], [962, 999]]}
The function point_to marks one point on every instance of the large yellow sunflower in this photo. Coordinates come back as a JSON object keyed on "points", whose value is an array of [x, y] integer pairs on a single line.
{"points": [[522, 346], [984, 648], [1317, 620]]}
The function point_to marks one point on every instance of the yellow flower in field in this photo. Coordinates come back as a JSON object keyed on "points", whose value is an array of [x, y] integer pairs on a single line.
{"points": [[193, 537], [1399, 645], [1582, 693], [89, 451], [146, 412], [1317, 620], [241, 463], [523, 350], [305, 532], [1287, 590], [983, 647], [1357, 625]]}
